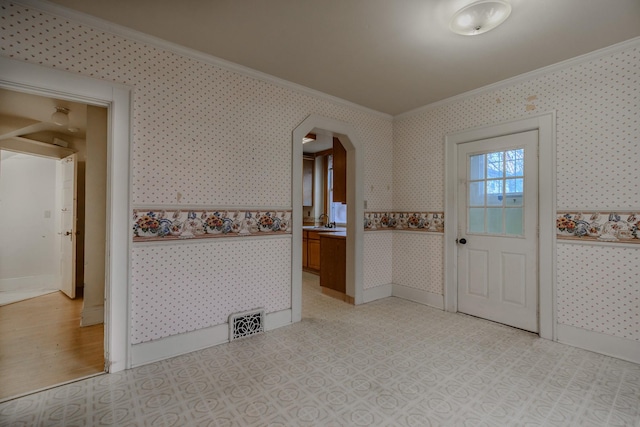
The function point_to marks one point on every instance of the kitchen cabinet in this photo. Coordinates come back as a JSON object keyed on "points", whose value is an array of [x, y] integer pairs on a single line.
{"points": [[333, 249], [305, 262], [311, 251], [339, 172], [308, 170]]}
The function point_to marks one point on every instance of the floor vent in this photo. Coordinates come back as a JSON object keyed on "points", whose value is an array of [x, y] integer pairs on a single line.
{"points": [[246, 324]]}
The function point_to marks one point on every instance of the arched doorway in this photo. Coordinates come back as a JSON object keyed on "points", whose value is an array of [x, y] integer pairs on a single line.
{"points": [[355, 202]]}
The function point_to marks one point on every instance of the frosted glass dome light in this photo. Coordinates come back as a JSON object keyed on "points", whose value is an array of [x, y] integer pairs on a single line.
{"points": [[61, 116], [480, 17]]}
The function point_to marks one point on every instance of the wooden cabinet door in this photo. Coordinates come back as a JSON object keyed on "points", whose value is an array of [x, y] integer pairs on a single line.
{"points": [[339, 172], [305, 263], [332, 264], [313, 254]]}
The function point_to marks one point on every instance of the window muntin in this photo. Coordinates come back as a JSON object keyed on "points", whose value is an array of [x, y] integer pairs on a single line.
{"points": [[495, 193]]}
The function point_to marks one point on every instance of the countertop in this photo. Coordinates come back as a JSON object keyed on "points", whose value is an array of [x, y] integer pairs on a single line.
{"points": [[334, 234], [324, 229]]}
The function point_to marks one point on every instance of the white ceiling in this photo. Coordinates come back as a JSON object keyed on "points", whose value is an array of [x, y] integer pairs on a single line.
{"points": [[388, 55]]}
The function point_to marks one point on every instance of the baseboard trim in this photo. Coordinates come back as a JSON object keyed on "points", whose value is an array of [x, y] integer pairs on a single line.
{"points": [[92, 316], [277, 319], [376, 293], [165, 348], [598, 342], [419, 296], [44, 281]]}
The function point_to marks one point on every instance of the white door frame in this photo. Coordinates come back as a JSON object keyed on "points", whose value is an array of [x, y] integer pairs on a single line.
{"points": [[545, 124], [355, 207], [40, 80]]}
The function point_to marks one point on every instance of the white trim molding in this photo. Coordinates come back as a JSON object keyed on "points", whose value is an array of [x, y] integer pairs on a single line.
{"points": [[545, 124], [377, 292], [598, 342], [176, 345], [92, 315], [418, 295]]}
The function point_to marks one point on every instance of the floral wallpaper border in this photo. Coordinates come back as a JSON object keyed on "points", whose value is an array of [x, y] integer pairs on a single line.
{"points": [[154, 225], [414, 221], [598, 226]]}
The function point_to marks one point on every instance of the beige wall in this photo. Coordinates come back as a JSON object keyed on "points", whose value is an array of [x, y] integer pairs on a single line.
{"points": [[95, 214]]}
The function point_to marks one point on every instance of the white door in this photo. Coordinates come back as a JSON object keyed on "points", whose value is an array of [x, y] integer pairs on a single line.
{"points": [[68, 176], [497, 229]]}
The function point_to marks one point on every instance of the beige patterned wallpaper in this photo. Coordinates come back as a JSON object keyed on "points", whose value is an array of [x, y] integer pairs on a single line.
{"points": [[203, 136], [603, 297], [207, 136]]}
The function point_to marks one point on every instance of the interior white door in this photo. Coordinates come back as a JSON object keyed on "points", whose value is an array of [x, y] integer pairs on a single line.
{"points": [[497, 229], [68, 177]]}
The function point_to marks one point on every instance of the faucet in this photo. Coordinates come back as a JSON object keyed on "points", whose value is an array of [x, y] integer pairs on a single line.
{"points": [[320, 219]]}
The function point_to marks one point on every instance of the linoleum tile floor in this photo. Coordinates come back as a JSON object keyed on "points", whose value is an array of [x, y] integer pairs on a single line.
{"points": [[387, 363]]}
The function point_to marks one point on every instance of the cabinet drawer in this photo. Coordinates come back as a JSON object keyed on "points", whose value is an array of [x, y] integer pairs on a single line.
{"points": [[313, 235]]}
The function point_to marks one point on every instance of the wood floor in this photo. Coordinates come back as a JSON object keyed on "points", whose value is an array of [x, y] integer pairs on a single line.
{"points": [[42, 344]]}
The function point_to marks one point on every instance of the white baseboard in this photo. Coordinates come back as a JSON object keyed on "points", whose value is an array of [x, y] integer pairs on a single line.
{"points": [[92, 316], [419, 296], [28, 283], [598, 342], [277, 319], [164, 348], [378, 292]]}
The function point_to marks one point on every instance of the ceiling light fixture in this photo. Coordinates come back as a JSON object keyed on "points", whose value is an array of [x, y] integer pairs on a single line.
{"points": [[61, 116], [310, 137], [480, 17]]}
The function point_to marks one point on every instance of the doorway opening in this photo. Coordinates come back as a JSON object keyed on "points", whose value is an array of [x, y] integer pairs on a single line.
{"points": [[347, 138], [53, 277], [36, 79]]}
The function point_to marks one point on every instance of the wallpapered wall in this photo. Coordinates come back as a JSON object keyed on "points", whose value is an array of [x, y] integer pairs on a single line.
{"points": [[206, 136], [598, 168]]}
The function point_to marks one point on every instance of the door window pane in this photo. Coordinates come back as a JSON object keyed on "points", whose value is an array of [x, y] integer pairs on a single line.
{"points": [[476, 167], [495, 165], [476, 193], [513, 221], [494, 220], [476, 220], [514, 185], [514, 163], [496, 193]]}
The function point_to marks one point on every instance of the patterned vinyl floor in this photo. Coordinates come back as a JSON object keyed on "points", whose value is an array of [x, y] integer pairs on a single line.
{"points": [[387, 363]]}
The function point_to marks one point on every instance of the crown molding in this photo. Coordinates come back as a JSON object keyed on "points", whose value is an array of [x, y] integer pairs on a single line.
{"points": [[130, 34], [606, 51]]}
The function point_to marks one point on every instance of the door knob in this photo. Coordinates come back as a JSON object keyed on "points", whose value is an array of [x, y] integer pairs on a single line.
{"points": [[68, 233], [462, 241]]}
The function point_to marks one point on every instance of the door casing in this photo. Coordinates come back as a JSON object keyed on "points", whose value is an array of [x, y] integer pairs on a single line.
{"points": [[50, 82], [545, 124]]}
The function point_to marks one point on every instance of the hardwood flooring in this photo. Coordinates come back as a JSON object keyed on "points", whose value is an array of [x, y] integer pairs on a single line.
{"points": [[42, 344]]}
